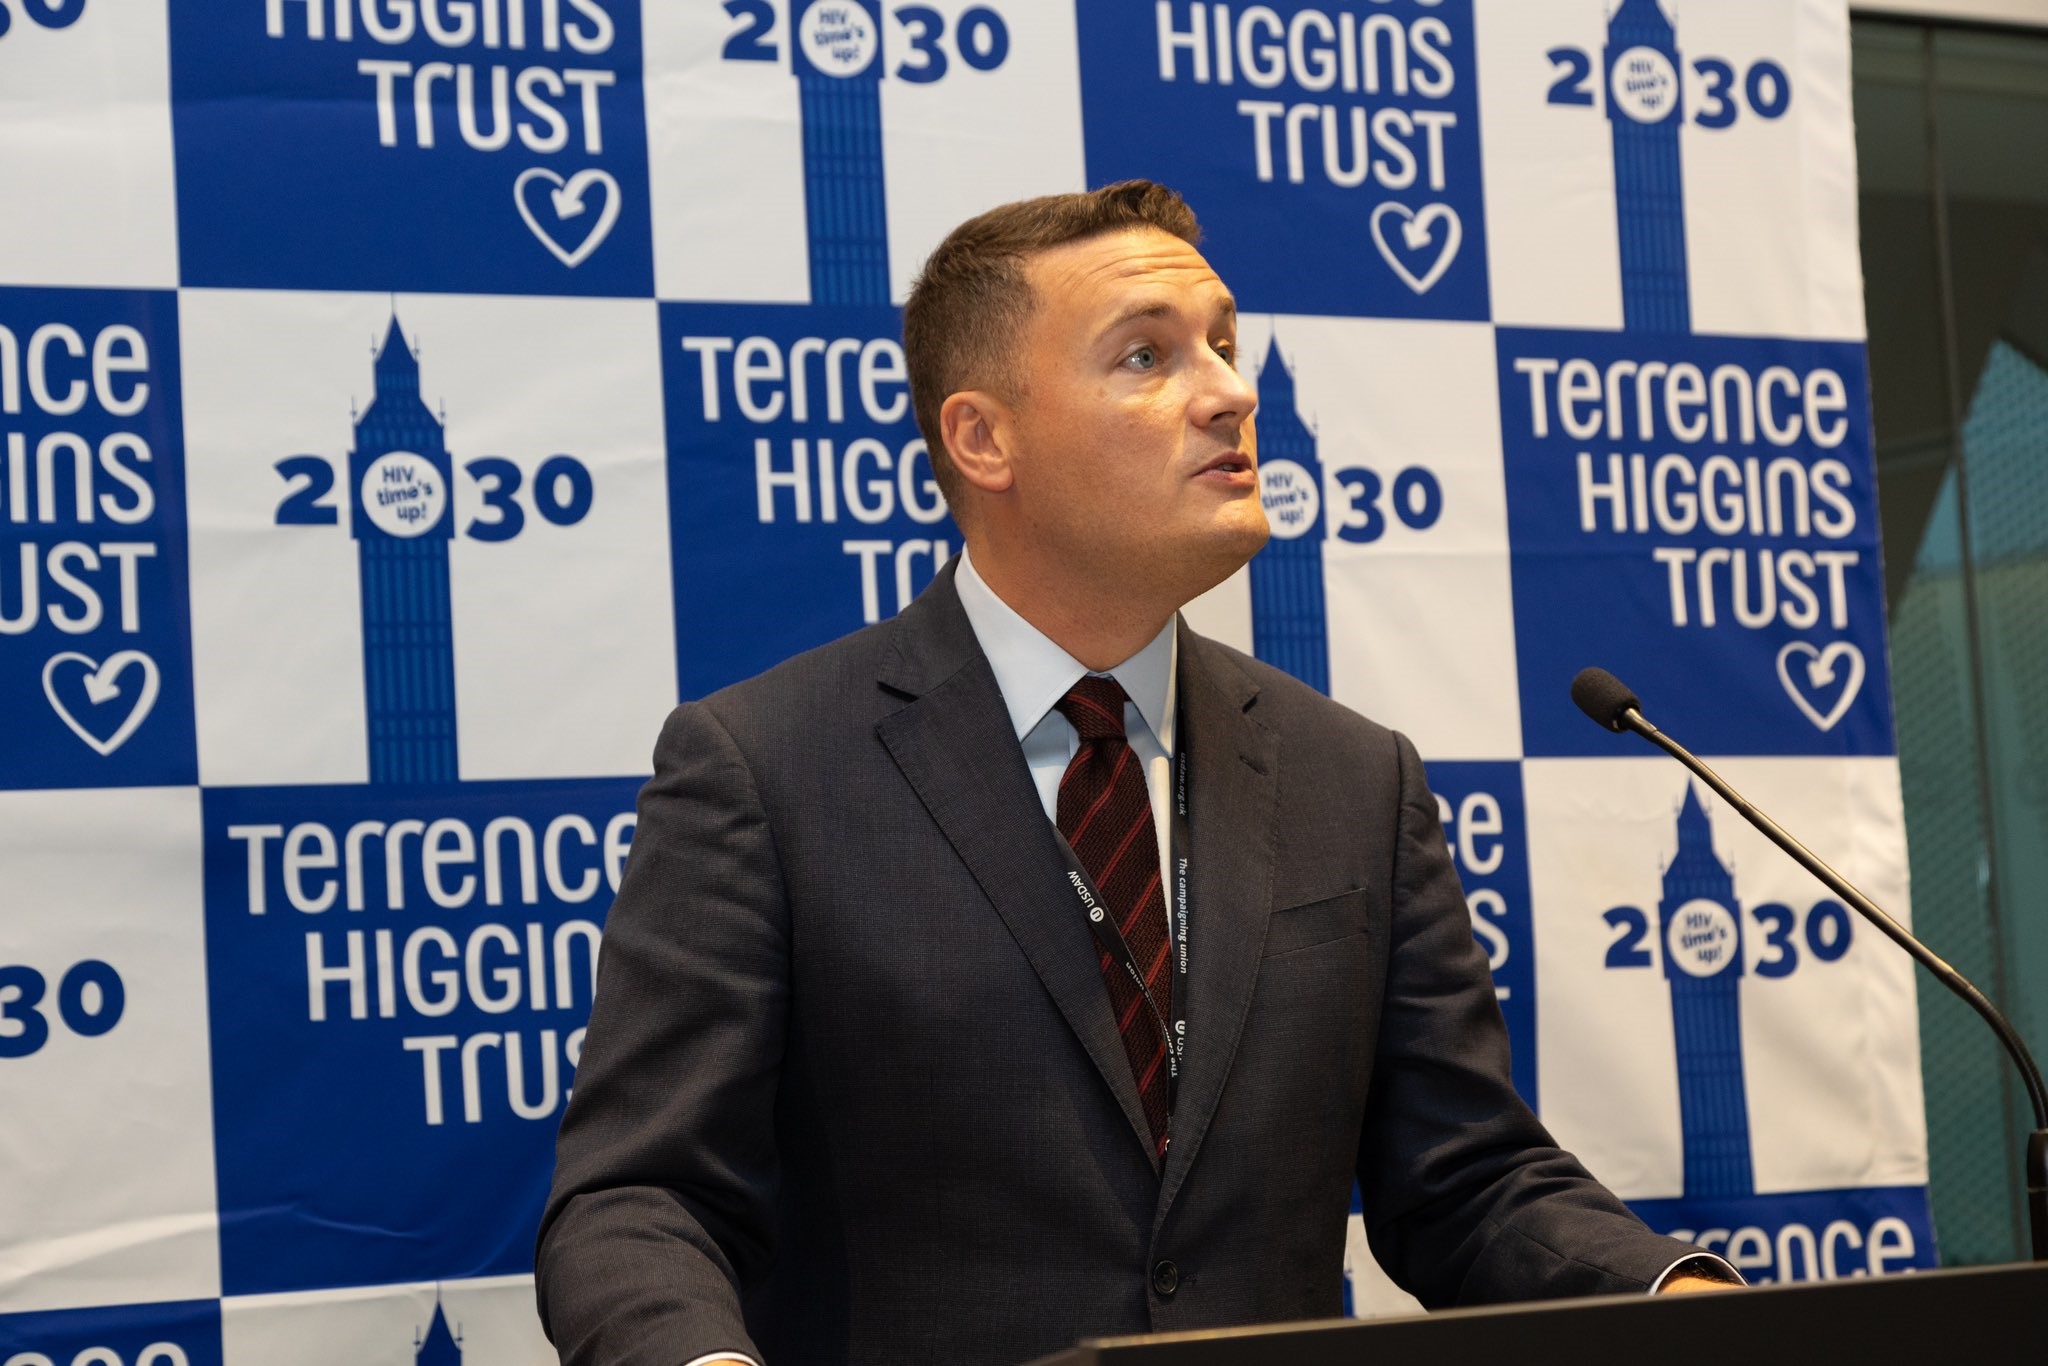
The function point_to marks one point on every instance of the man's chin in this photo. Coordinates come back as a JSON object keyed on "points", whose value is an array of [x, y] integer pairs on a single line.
{"points": [[1248, 531], [1230, 546]]}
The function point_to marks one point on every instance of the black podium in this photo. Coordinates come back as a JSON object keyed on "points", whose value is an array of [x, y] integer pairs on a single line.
{"points": [[1990, 1314]]}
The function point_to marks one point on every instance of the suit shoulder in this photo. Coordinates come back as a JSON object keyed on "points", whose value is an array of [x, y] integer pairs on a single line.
{"points": [[1299, 712], [787, 709], [805, 693]]}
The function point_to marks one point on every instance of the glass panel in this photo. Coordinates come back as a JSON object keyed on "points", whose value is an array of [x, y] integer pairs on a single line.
{"points": [[1972, 1174], [1959, 368], [1902, 293], [1991, 113]]}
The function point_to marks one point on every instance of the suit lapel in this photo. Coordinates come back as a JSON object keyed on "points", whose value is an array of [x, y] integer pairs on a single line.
{"points": [[1232, 777], [954, 743]]}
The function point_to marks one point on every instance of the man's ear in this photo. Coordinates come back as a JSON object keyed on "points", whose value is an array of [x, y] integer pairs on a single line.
{"points": [[978, 431]]}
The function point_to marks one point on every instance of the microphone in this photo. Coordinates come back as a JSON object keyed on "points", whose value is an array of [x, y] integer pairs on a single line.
{"points": [[1604, 697], [1610, 702]]}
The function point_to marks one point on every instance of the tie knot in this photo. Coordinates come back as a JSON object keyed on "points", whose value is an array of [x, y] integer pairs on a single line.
{"points": [[1095, 706]]}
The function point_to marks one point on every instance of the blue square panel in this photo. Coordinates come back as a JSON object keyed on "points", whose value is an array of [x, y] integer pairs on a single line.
{"points": [[473, 148], [1697, 515], [398, 983], [1481, 807], [801, 497], [95, 642], [1332, 151]]}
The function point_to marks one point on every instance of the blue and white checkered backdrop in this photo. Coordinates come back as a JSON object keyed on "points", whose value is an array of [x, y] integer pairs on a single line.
{"points": [[403, 402]]}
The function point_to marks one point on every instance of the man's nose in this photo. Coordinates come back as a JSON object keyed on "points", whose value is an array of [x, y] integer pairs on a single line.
{"points": [[1225, 394]]}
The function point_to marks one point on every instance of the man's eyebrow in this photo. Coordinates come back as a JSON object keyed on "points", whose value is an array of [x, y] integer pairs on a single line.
{"points": [[1134, 314], [1226, 312]]}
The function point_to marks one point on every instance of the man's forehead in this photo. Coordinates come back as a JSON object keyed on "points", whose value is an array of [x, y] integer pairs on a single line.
{"points": [[1108, 270]]}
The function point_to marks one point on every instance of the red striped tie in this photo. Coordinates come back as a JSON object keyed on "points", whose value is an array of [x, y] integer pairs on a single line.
{"points": [[1107, 817]]}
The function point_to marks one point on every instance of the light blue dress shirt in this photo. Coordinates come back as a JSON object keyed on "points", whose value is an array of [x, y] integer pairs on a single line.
{"points": [[1033, 674]]}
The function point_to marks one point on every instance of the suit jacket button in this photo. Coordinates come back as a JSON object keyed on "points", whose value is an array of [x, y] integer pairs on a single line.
{"points": [[1165, 1280]]}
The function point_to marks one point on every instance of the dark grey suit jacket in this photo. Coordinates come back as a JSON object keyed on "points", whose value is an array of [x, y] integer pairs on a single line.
{"points": [[851, 1091]]}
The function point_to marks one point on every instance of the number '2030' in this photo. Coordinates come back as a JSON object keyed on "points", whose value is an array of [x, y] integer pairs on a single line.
{"points": [[561, 494], [1763, 88], [980, 38], [1822, 934]]}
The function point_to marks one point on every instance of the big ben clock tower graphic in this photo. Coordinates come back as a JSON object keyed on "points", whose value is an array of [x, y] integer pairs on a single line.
{"points": [[837, 56], [1290, 626], [1701, 924], [1646, 108], [400, 480]]}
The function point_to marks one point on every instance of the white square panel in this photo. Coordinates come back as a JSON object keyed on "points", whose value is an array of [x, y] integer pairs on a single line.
{"points": [[110, 1116], [1405, 419], [1549, 169], [971, 116], [1770, 202], [724, 160], [1830, 1049], [85, 148], [1767, 161], [974, 139], [562, 632]]}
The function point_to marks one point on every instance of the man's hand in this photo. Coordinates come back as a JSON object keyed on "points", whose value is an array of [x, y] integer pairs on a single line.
{"points": [[1685, 1282]]}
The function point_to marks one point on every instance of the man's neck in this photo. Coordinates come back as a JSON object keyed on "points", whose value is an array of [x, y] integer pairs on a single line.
{"points": [[1100, 624]]}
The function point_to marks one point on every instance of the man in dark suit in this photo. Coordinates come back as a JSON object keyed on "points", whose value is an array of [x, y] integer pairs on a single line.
{"points": [[1029, 967]]}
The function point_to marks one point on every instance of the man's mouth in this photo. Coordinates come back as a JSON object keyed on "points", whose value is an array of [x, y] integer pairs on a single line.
{"points": [[1227, 464]]}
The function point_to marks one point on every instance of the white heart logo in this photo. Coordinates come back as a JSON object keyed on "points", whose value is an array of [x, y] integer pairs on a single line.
{"points": [[102, 686], [1817, 675], [1417, 231], [566, 199]]}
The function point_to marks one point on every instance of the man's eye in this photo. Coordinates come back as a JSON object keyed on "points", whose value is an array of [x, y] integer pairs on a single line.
{"points": [[1144, 358], [1228, 350]]}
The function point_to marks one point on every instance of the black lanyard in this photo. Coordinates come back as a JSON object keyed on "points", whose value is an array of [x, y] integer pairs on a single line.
{"points": [[1110, 936]]}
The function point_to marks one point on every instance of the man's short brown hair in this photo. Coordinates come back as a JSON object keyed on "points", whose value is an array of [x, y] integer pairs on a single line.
{"points": [[969, 304]]}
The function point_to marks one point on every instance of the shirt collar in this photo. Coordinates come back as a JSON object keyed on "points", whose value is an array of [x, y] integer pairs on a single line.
{"points": [[1033, 673]]}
